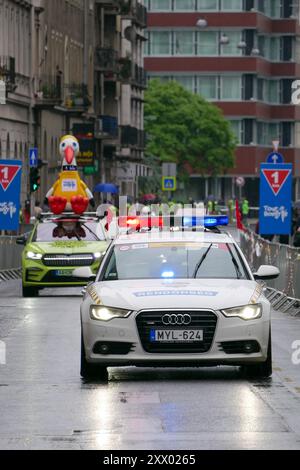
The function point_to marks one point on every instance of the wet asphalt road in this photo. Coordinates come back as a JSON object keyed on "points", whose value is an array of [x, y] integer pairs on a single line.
{"points": [[44, 404]]}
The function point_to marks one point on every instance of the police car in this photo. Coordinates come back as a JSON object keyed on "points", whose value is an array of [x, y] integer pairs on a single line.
{"points": [[176, 298]]}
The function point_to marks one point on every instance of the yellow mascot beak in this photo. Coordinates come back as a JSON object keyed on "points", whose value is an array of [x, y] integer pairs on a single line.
{"points": [[69, 155]]}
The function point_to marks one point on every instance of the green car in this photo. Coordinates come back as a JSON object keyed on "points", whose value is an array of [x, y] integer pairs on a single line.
{"points": [[56, 247]]}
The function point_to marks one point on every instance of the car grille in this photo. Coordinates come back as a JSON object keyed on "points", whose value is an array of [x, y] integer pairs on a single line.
{"points": [[65, 260], [202, 320]]}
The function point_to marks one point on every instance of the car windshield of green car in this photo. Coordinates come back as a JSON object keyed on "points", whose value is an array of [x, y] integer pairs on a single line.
{"points": [[68, 231]]}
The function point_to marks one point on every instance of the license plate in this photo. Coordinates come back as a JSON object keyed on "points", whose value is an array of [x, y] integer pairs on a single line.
{"points": [[63, 273], [176, 336]]}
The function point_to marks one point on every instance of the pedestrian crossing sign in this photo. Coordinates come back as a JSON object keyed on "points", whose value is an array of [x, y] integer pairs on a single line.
{"points": [[169, 183]]}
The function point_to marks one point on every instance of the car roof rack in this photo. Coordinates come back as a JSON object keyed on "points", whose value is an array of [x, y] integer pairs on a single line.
{"points": [[49, 216]]}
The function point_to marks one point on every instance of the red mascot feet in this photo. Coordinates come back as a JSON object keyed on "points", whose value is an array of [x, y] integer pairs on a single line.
{"points": [[57, 204], [79, 204]]}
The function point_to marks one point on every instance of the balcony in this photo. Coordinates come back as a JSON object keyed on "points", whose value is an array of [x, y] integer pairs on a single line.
{"points": [[76, 97], [125, 69], [106, 60], [133, 10], [8, 72], [140, 77], [50, 91], [109, 126]]}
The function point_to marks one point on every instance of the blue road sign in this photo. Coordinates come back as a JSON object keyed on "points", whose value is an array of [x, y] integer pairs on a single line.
{"points": [[10, 191], [169, 183], [33, 157], [275, 217], [275, 158]]}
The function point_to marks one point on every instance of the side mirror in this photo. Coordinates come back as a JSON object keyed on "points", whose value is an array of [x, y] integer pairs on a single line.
{"points": [[21, 240], [84, 273], [267, 273]]}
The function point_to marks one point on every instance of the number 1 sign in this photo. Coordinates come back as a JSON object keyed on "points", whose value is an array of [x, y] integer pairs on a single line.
{"points": [[10, 188], [275, 217]]}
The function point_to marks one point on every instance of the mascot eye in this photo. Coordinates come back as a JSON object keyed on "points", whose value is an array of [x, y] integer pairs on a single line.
{"points": [[63, 145], [74, 145]]}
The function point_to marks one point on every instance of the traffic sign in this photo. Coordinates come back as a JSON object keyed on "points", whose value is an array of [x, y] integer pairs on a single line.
{"points": [[276, 178], [169, 169], [275, 158], [33, 157], [240, 181], [169, 183], [10, 190], [275, 216]]}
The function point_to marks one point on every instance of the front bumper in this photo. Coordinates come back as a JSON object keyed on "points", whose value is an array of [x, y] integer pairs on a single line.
{"points": [[36, 274], [125, 332]]}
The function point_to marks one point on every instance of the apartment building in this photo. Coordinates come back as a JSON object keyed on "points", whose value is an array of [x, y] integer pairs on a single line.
{"points": [[74, 66], [17, 20], [120, 83], [243, 55]]}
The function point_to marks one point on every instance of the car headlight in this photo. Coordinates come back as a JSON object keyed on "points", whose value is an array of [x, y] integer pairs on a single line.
{"points": [[248, 312], [102, 313], [32, 255]]}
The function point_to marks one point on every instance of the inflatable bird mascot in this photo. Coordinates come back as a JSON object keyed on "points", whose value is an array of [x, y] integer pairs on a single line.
{"points": [[69, 192]]}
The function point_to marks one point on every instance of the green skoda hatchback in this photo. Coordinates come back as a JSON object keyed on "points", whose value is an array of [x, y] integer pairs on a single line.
{"points": [[56, 247]]}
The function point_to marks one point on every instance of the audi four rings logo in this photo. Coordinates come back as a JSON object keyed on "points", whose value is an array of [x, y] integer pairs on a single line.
{"points": [[177, 319]]}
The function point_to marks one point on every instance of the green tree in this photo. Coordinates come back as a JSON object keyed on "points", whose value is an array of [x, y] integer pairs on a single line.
{"points": [[186, 129]]}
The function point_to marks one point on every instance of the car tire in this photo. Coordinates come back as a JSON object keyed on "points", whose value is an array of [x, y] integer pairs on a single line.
{"points": [[30, 292], [91, 371], [263, 370]]}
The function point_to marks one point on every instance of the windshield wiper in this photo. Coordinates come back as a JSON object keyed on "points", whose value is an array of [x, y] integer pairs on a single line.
{"points": [[199, 264], [235, 263], [91, 231]]}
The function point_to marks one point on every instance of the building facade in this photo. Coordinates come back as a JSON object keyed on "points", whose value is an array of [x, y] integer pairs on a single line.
{"points": [[17, 20], [244, 56], [74, 66], [120, 83]]}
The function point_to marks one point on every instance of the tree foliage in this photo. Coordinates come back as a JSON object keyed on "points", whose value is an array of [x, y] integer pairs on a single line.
{"points": [[186, 129]]}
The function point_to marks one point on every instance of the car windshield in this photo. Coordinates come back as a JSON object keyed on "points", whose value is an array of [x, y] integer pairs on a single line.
{"points": [[175, 261], [68, 231]]}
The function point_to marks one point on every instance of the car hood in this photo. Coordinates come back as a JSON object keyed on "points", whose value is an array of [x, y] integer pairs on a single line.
{"points": [[67, 247], [190, 293]]}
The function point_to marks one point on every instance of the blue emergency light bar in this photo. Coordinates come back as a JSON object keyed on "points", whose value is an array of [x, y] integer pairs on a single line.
{"points": [[208, 221]]}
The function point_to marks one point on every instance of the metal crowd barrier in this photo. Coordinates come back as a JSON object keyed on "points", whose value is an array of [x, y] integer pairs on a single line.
{"points": [[284, 292]]}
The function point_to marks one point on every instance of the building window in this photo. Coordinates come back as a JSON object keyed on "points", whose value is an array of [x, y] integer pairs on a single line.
{"points": [[267, 132], [208, 5], [184, 43], [207, 87], [287, 134], [231, 88], [184, 5], [160, 5], [274, 49], [274, 8], [186, 81], [236, 127], [207, 43], [261, 89], [274, 91], [232, 5], [231, 49], [160, 43]]}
